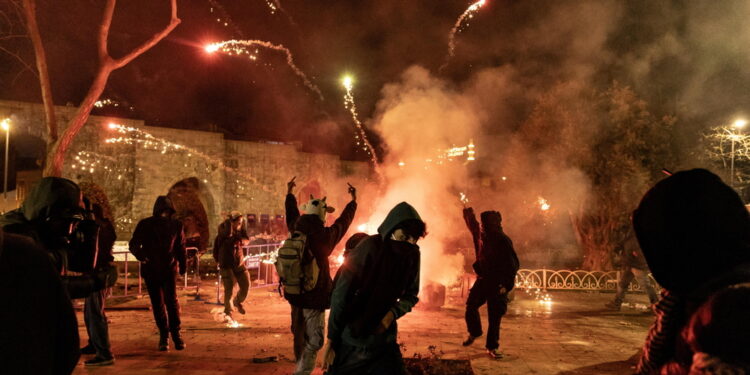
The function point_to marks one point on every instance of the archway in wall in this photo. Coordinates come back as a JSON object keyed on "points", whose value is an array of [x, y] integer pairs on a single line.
{"points": [[192, 201]]}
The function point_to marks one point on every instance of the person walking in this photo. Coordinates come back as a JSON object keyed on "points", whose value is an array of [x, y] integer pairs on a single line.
{"points": [[377, 285], [229, 254], [157, 243], [633, 266], [496, 266]]}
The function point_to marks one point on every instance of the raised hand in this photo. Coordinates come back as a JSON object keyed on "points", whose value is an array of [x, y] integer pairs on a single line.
{"points": [[352, 191], [291, 184]]}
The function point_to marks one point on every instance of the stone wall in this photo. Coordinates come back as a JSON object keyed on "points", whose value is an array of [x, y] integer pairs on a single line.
{"points": [[234, 175]]}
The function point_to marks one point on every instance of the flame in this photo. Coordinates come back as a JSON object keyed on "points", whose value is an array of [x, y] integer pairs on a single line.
{"points": [[543, 205]]}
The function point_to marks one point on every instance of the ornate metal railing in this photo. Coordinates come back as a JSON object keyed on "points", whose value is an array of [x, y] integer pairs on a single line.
{"points": [[572, 280]]}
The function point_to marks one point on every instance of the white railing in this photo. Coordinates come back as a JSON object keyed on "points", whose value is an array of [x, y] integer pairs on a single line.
{"points": [[572, 280]]}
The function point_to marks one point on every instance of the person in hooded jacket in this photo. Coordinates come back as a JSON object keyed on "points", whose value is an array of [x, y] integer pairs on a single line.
{"points": [[93, 308], [633, 266], [694, 231], [378, 284], [308, 309], [158, 244], [39, 334], [40, 306], [496, 266], [228, 254]]}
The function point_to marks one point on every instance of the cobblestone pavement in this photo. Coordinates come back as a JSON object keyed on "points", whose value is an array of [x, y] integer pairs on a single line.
{"points": [[573, 335]]}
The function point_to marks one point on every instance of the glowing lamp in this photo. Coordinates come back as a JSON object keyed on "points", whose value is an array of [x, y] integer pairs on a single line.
{"points": [[5, 124]]}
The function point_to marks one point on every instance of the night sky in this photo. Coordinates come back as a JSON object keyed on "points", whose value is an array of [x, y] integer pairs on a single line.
{"points": [[684, 58]]}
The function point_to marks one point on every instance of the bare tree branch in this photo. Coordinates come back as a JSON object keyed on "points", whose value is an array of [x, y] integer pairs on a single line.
{"points": [[41, 66], [23, 62], [173, 22], [109, 10]]}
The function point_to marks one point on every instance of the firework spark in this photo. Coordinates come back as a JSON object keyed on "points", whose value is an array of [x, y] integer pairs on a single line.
{"points": [[224, 18], [246, 47], [543, 204], [460, 26], [360, 138]]}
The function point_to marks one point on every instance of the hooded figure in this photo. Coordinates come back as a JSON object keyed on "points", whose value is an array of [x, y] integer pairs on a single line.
{"points": [[378, 284], [228, 254], [496, 268], [695, 235], [157, 243], [308, 309]]}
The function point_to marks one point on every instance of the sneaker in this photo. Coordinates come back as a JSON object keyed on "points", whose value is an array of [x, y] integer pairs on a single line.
{"points": [[239, 307], [612, 305], [88, 349], [100, 361], [469, 340], [179, 344], [495, 354], [163, 343]]}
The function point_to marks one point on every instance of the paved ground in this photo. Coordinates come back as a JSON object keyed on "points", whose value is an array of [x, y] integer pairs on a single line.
{"points": [[573, 335]]}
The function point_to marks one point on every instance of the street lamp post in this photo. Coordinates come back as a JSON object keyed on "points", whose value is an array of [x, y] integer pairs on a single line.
{"points": [[739, 124], [6, 126]]}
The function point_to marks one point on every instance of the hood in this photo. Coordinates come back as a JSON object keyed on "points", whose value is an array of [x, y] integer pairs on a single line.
{"points": [[400, 213], [53, 197], [692, 228], [163, 203], [491, 221]]}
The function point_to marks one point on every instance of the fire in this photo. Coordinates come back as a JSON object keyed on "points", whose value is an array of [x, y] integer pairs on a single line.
{"points": [[543, 205]]}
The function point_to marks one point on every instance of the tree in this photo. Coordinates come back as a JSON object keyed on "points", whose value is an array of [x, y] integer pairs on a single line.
{"points": [[58, 146], [619, 145]]}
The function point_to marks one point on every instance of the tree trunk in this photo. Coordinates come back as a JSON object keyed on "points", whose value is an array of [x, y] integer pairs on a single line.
{"points": [[29, 7]]}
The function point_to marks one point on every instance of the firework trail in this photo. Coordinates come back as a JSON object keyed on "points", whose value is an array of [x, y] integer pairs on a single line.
{"points": [[361, 137], [242, 47], [459, 26], [224, 17]]}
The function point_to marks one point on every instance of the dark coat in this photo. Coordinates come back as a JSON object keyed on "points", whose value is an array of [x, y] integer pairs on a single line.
{"points": [[39, 334], [694, 231], [107, 238], [321, 241], [497, 261], [228, 251], [158, 242], [378, 276]]}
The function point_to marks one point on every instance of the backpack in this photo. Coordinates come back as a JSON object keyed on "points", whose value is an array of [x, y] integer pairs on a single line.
{"points": [[296, 266]]}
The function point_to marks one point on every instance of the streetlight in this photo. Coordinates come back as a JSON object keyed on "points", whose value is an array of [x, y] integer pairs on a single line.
{"points": [[5, 124], [738, 124]]}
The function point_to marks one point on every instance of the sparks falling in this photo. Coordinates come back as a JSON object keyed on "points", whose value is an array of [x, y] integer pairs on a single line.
{"points": [[223, 17], [247, 48], [460, 26], [361, 137]]}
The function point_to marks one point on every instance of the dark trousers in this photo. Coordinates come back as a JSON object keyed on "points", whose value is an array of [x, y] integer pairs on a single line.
{"points": [[229, 277], [627, 274], [497, 304], [380, 360], [96, 324], [163, 294]]}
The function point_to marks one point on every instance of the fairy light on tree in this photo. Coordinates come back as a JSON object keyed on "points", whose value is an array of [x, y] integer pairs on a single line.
{"points": [[459, 26], [249, 49]]}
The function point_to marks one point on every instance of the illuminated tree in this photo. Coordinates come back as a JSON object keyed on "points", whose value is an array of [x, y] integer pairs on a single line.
{"points": [[58, 145]]}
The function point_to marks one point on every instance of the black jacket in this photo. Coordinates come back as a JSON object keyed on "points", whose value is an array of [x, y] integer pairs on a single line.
{"points": [[496, 261], [39, 334], [321, 240], [107, 238], [55, 197], [158, 242], [228, 251]]}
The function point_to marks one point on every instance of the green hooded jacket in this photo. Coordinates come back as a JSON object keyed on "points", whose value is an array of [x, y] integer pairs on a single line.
{"points": [[353, 269]]}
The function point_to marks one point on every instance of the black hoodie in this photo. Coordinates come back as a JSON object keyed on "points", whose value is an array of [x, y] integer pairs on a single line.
{"points": [[321, 241], [158, 242], [497, 261]]}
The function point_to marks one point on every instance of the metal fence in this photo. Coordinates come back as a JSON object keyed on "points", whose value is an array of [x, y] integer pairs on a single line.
{"points": [[572, 280], [260, 258]]}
